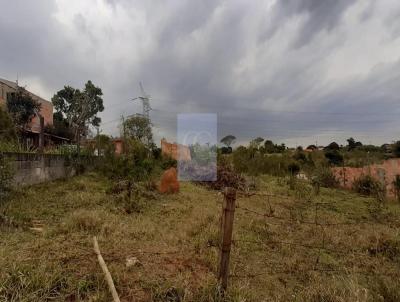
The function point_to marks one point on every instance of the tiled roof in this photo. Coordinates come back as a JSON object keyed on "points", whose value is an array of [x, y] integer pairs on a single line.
{"points": [[15, 86]]}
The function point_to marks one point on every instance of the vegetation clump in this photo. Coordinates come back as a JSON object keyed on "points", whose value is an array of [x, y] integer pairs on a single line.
{"points": [[369, 186], [323, 177], [396, 186], [6, 176]]}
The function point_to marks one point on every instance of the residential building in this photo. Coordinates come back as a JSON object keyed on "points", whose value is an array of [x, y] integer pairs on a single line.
{"points": [[31, 134]]}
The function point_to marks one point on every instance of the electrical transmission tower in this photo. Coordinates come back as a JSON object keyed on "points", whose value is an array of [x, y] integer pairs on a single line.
{"points": [[145, 98]]}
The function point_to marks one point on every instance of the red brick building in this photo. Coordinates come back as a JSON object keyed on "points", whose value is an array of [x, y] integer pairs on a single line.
{"points": [[46, 110]]}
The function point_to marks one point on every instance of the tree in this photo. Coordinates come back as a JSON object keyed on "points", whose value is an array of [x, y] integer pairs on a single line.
{"points": [[396, 149], [80, 108], [228, 140], [22, 107], [255, 143], [334, 157], [139, 128], [269, 146], [352, 144], [7, 129], [60, 127], [332, 146]]}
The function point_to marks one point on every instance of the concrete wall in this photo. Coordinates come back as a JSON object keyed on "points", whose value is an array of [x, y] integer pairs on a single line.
{"points": [[33, 168]]}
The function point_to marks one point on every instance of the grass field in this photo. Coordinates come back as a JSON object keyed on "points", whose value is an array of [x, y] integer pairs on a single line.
{"points": [[351, 253]]}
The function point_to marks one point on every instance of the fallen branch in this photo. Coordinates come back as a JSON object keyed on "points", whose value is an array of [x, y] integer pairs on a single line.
{"points": [[107, 274]]}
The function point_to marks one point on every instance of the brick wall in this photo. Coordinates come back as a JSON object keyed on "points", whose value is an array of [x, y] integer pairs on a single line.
{"points": [[385, 173], [175, 151], [46, 109]]}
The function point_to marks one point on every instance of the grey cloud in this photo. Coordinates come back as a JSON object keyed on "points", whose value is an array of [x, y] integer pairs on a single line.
{"points": [[192, 62], [321, 15]]}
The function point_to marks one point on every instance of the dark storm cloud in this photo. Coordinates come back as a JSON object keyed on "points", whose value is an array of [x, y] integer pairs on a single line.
{"points": [[320, 15], [282, 70]]}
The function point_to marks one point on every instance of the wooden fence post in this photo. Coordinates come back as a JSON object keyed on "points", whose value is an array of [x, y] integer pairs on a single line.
{"points": [[228, 212]]}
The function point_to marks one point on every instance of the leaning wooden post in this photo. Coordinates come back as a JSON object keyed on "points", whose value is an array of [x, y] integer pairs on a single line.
{"points": [[106, 272], [228, 212]]}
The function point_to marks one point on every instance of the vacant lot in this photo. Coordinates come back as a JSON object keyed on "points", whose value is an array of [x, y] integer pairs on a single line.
{"points": [[291, 246]]}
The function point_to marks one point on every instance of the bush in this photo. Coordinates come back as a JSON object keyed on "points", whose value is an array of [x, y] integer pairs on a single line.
{"points": [[6, 176], [246, 160], [396, 186], [396, 149], [136, 164], [369, 186], [334, 157], [324, 177], [293, 168]]}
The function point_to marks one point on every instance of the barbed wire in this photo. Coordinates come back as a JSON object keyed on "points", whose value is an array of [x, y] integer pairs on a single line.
{"points": [[303, 245], [271, 215], [317, 270]]}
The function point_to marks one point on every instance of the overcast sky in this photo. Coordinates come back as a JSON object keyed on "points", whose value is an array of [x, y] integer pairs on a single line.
{"points": [[294, 71]]}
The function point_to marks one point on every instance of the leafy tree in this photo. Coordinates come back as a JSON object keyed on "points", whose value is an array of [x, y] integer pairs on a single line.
{"points": [[333, 146], [60, 127], [80, 108], [352, 144], [7, 129], [334, 157], [228, 140], [139, 128], [312, 147], [280, 148], [226, 150], [255, 143], [22, 107], [396, 149], [269, 146]]}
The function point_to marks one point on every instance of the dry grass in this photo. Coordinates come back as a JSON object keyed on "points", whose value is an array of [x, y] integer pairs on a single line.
{"points": [[175, 238]]}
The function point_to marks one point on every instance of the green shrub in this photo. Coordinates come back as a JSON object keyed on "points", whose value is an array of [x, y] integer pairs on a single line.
{"points": [[324, 177], [369, 186], [334, 157], [396, 186], [293, 168], [167, 162], [6, 176]]}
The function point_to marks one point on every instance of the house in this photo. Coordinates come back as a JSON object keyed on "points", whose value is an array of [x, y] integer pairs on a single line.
{"points": [[31, 135]]}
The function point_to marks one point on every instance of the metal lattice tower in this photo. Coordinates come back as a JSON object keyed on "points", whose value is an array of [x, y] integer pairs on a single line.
{"points": [[145, 98]]}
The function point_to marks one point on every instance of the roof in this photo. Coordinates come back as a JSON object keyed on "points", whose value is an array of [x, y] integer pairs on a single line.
{"points": [[9, 83], [14, 85]]}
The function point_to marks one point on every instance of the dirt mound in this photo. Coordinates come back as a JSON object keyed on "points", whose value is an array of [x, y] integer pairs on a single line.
{"points": [[169, 182]]}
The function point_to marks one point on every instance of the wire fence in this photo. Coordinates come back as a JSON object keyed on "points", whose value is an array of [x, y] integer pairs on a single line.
{"points": [[320, 243]]}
